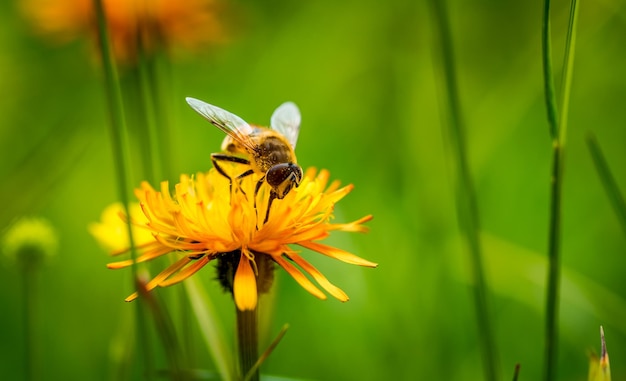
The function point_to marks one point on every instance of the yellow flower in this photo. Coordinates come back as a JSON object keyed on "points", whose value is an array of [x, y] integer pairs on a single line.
{"points": [[112, 231], [203, 221], [159, 23]]}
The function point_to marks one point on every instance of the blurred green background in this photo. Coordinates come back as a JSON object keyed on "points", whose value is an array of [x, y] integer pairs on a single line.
{"points": [[363, 74]]}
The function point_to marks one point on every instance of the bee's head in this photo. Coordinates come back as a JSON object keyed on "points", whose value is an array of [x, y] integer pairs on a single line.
{"points": [[282, 177]]}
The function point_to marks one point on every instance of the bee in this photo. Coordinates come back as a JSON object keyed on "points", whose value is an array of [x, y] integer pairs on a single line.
{"points": [[268, 151]]}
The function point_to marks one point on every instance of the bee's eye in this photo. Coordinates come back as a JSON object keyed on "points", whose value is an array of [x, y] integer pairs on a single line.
{"points": [[278, 173], [282, 178]]}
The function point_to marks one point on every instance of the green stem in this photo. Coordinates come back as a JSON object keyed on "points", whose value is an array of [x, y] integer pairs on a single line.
{"points": [[558, 130], [247, 336], [185, 320], [162, 134], [165, 329], [121, 158], [467, 207], [549, 93], [31, 361], [554, 266], [152, 156], [552, 290]]}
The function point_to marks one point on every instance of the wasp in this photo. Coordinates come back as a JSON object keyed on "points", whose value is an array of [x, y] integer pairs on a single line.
{"points": [[268, 151]]}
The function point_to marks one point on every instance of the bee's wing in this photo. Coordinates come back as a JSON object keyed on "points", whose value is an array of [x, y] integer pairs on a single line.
{"points": [[230, 123], [286, 120]]}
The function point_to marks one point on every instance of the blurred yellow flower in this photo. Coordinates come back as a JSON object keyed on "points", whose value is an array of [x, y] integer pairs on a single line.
{"points": [[112, 230], [203, 221], [161, 24], [29, 241]]}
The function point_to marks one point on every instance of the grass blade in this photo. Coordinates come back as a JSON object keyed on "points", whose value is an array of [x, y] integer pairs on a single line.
{"points": [[267, 352], [548, 73], [212, 331], [608, 180], [467, 208]]}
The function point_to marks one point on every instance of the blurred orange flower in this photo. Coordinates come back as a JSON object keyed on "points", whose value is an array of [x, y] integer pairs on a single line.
{"points": [[156, 24]]}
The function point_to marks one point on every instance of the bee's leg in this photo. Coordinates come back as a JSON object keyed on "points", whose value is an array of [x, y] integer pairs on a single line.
{"points": [[273, 196], [256, 192], [217, 157], [256, 189], [246, 173]]}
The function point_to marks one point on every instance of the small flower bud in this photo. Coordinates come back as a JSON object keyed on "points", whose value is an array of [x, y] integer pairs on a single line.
{"points": [[30, 241]]}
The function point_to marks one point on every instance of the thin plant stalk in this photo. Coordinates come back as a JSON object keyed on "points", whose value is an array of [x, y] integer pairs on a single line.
{"points": [[152, 117], [554, 267], [121, 158], [153, 157], [161, 114], [552, 291], [608, 180], [29, 288], [558, 131], [165, 327], [247, 336], [467, 208]]}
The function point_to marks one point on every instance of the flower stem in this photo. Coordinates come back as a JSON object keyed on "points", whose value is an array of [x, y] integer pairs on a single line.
{"points": [[31, 361], [153, 154], [121, 158], [552, 290], [467, 207], [558, 129], [247, 336], [247, 320], [161, 112], [554, 266]]}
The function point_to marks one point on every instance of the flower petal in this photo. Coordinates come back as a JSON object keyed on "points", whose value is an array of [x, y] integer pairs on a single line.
{"points": [[300, 278], [149, 252], [244, 289], [354, 226], [339, 254], [319, 277], [162, 276], [186, 272]]}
